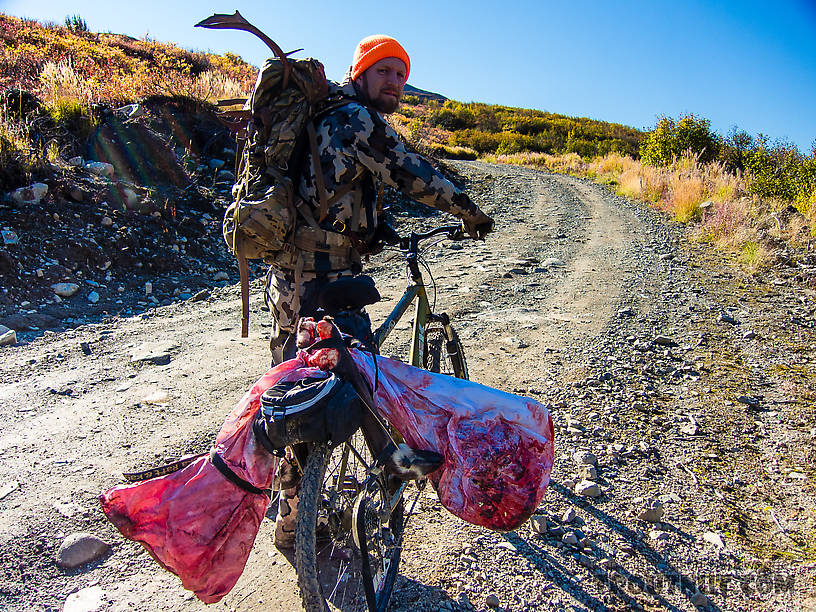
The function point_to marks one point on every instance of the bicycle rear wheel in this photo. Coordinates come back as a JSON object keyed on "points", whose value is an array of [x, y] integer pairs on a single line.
{"points": [[378, 534], [443, 352], [327, 560]]}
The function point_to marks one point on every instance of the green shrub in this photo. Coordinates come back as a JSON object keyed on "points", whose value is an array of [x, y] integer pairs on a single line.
{"points": [[73, 116], [446, 152], [453, 118], [670, 139], [483, 142], [734, 149]]}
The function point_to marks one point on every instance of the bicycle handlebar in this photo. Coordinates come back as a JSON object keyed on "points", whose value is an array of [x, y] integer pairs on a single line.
{"points": [[411, 243]]}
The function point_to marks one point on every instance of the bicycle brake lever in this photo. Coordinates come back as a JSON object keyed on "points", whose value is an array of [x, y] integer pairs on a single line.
{"points": [[457, 234]]}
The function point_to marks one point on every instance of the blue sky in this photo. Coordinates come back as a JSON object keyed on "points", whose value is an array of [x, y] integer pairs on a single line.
{"points": [[750, 64]]}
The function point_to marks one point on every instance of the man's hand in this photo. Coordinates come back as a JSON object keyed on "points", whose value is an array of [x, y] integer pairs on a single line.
{"points": [[478, 226]]}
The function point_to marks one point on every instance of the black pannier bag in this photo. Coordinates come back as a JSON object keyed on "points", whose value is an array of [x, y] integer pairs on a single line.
{"points": [[307, 410]]}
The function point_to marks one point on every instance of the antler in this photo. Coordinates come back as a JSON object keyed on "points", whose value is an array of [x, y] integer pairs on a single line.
{"points": [[221, 21]]}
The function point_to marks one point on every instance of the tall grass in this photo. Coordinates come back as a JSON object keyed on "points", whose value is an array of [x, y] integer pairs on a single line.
{"points": [[66, 62]]}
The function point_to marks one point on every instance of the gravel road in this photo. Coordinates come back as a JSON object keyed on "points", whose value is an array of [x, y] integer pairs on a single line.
{"points": [[682, 392]]}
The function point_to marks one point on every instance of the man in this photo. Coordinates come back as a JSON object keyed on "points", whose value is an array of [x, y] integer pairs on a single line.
{"points": [[358, 152]]}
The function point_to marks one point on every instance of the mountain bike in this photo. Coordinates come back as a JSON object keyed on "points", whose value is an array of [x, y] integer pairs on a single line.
{"points": [[351, 511]]}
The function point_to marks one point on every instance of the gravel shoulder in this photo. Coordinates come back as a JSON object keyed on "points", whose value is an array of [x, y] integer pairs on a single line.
{"points": [[678, 386]]}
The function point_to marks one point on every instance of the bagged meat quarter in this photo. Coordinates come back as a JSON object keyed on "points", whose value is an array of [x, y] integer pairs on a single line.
{"points": [[200, 525]]}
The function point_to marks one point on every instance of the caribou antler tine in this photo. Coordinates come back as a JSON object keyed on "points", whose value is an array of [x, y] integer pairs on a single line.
{"points": [[222, 21]]}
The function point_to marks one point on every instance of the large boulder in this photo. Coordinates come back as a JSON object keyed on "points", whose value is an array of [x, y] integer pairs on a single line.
{"points": [[137, 153]]}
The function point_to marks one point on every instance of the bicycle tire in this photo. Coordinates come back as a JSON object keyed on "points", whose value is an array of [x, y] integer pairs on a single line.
{"points": [[380, 543], [329, 570], [444, 354]]}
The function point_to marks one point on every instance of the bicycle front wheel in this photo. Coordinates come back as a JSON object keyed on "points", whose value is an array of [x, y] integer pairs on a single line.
{"points": [[443, 352], [378, 532], [327, 560]]}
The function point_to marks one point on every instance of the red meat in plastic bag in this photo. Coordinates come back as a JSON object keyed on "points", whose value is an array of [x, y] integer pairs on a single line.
{"points": [[195, 522], [498, 451], [498, 447]]}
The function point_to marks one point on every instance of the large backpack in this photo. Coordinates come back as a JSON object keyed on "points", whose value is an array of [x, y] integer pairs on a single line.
{"points": [[267, 220]]}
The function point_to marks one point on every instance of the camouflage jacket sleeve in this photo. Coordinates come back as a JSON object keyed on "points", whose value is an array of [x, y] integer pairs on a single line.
{"points": [[376, 146]]}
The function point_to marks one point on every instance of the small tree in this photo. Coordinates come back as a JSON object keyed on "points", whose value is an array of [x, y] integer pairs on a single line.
{"points": [[773, 170], [670, 139], [76, 23], [735, 148]]}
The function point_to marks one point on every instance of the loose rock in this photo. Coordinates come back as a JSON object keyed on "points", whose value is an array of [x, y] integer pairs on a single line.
{"points": [[30, 195], [659, 536], [8, 337], [585, 458], [714, 539], [699, 600], [85, 600], [99, 168], [539, 523], [8, 488], [155, 354], [80, 548], [9, 236], [553, 262], [65, 290], [652, 511], [587, 488]]}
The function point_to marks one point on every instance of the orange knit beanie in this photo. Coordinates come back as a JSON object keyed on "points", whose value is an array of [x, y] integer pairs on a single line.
{"points": [[372, 49]]}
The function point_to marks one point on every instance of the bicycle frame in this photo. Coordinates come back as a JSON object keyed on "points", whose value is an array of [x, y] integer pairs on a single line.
{"points": [[415, 291], [422, 315]]}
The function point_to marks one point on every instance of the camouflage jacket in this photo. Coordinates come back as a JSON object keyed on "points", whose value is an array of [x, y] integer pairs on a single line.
{"points": [[355, 142]]}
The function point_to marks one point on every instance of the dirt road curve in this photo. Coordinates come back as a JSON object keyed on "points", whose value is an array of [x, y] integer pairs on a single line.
{"points": [[564, 302]]}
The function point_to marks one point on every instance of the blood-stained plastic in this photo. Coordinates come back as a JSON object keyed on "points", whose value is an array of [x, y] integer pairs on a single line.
{"points": [[195, 522], [497, 448]]}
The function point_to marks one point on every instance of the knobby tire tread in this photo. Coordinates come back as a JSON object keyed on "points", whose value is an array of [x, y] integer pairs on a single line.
{"points": [[435, 349], [397, 527]]}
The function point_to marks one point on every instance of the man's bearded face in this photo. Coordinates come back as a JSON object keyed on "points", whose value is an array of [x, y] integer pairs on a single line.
{"points": [[383, 84]]}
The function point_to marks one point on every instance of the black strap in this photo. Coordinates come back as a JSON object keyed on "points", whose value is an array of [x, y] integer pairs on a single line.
{"points": [[234, 478], [164, 470], [336, 343]]}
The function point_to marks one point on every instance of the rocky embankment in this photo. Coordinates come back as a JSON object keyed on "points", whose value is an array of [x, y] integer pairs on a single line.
{"points": [[130, 223]]}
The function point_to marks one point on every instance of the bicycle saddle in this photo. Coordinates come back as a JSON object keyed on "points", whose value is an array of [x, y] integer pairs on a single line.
{"points": [[349, 293]]}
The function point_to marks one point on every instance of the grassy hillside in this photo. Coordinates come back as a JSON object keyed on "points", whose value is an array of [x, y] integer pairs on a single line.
{"points": [[67, 62], [70, 70], [456, 129]]}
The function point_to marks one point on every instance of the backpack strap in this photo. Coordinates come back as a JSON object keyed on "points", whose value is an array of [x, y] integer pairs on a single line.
{"points": [[325, 201], [318, 173], [243, 270]]}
